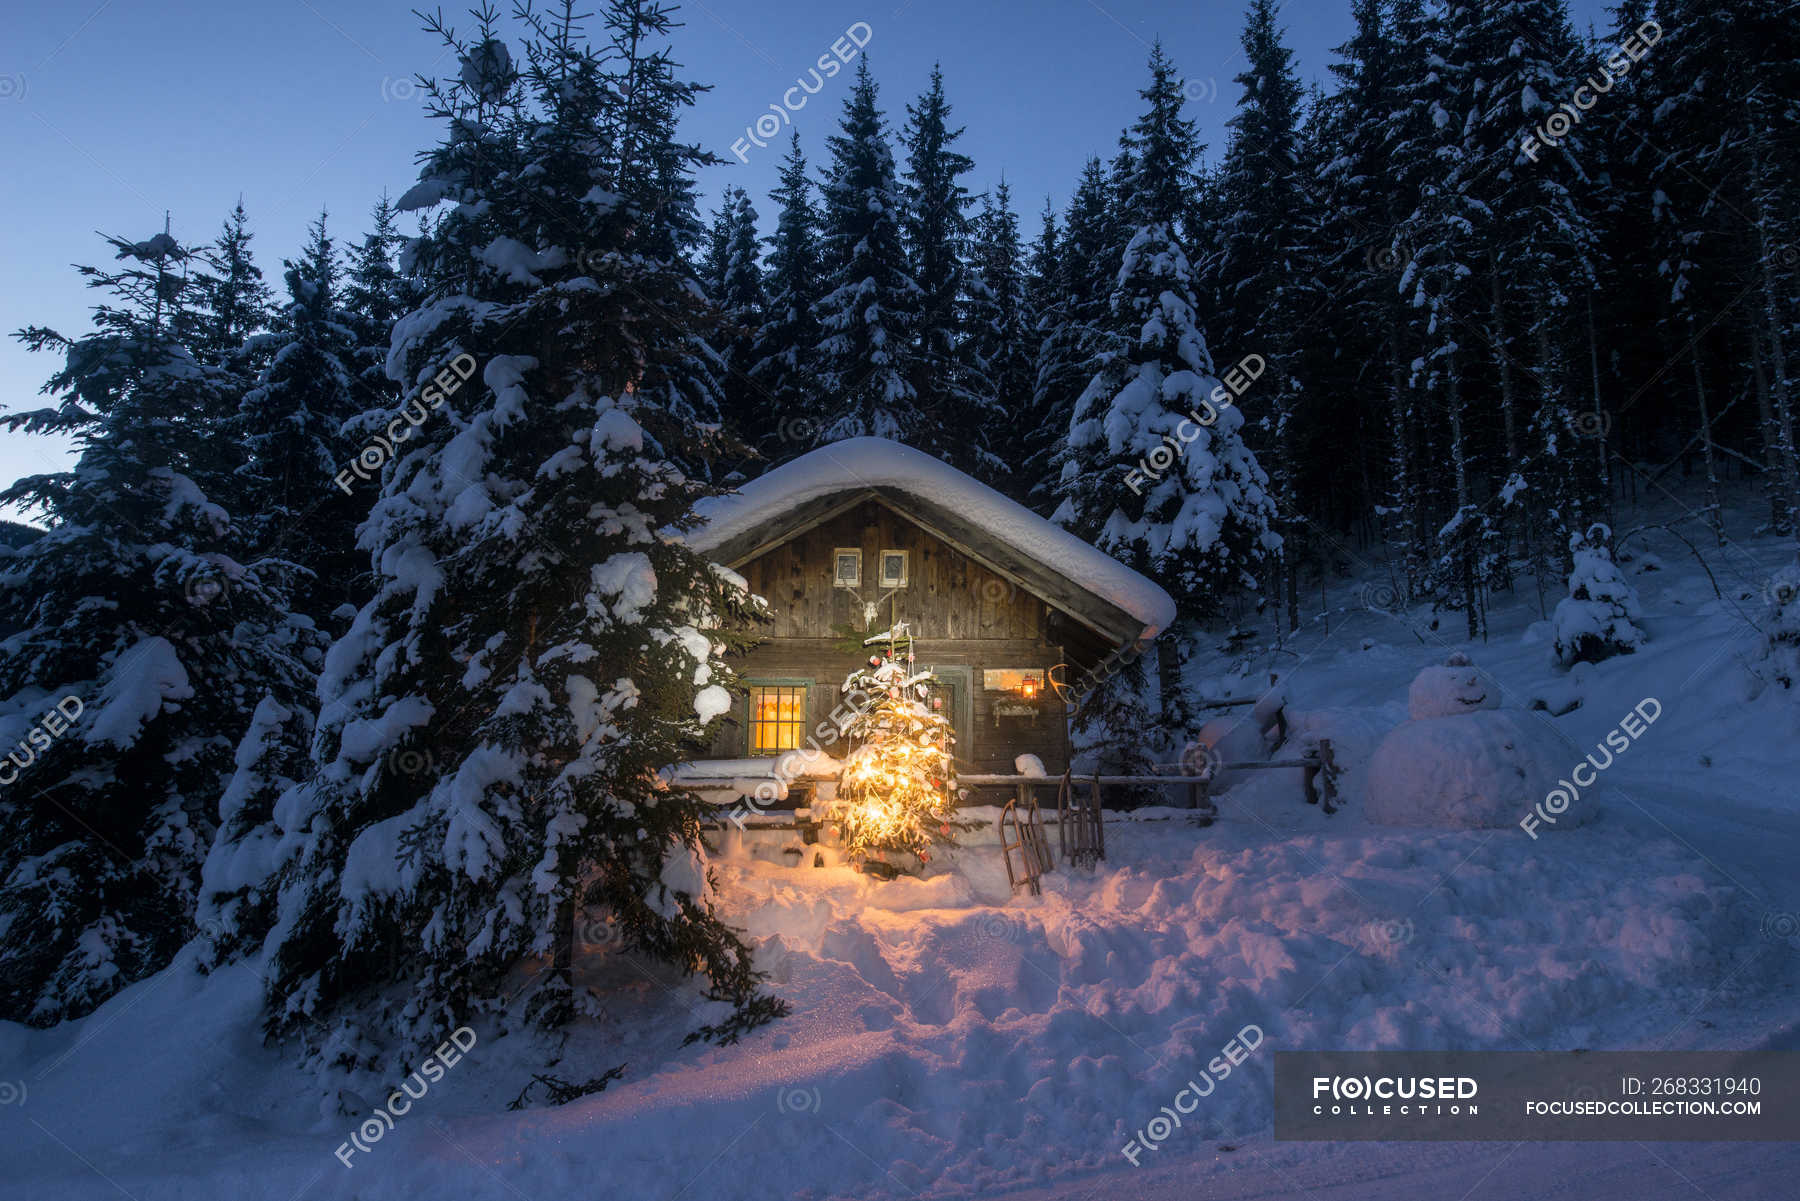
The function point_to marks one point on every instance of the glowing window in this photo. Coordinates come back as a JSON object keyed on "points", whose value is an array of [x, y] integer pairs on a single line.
{"points": [[777, 717]]}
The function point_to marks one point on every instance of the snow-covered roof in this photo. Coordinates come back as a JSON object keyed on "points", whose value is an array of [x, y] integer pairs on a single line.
{"points": [[857, 465]]}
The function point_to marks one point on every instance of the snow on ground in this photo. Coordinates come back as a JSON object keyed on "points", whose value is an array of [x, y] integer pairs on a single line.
{"points": [[948, 1040]]}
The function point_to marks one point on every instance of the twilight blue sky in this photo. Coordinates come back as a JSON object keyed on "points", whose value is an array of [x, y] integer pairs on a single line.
{"points": [[113, 111]]}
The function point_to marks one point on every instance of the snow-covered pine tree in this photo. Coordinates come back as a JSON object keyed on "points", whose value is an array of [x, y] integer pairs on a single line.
{"points": [[742, 304], [786, 368], [292, 420], [1255, 268], [956, 394], [1040, 432], [641, 127], [1725, 197], [1369, 184], [1779, 656], [232, 301], [1537, 260], [1002, 338], [869, 315], [375, 296], [1156, 473], [1440, 240], [540, 643], [145, 640], [655, 177], [711, 267], [1596, 620], [1074, 328]]}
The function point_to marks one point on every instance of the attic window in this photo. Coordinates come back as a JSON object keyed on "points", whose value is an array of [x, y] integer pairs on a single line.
{"points": [[894, 568], [848, 570]]}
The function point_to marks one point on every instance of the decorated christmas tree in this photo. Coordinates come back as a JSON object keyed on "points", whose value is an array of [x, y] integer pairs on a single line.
{"points": [[899, 783]]}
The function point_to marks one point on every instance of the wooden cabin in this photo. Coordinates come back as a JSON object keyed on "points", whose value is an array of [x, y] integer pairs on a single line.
{"points": [[1003, 606]]}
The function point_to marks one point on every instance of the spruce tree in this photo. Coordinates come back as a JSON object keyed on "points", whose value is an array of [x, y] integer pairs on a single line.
{"points": [[1156, 472], [292, 421], [711, 267], [376, 294], [147, 640], [1040, 427], [786, 368], [1257, 270], [1370, 181], [1724, 194], [540, 643], [1441, 243], [949, 379], [870, 313], [1002, 336], [1074, 326], [742, 303], [231, 299], [1595, 621]]}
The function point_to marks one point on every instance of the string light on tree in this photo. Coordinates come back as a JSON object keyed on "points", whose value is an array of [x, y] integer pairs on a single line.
{"points": [[898, 785]]}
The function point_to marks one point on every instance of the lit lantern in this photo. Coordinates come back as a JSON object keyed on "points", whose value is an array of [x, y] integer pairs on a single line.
{"points": [[1028, 688]]}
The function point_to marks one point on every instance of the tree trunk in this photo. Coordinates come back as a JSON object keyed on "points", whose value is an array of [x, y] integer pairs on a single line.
{"points": [[1771, 435], [1780, 393], [1509, 402], [562, 956], [1715, 509], [1602, 467], [1402, 503], [1459, 458]]}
